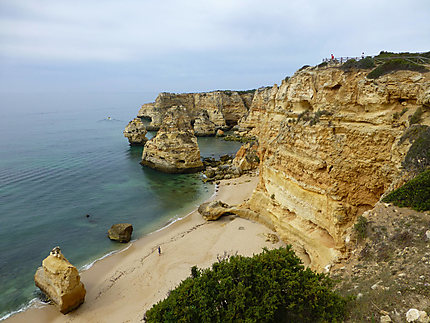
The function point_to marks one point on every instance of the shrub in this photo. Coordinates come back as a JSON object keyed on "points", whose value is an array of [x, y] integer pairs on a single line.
{"points": [[396, 64], [416, 117], [418, 156], [365, 63], [269, 287], [414, 194], [360, 227]]}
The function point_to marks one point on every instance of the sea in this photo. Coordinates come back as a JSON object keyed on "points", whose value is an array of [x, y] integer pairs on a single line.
{"points": [[67, 174]]}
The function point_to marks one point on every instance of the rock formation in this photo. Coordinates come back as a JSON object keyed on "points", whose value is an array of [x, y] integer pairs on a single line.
{"points": [[329, 146], [247, 157], [135, 132], [60, 281], [174, 149], [203, 126], [212, 211], [224, 108], [120, 232]]}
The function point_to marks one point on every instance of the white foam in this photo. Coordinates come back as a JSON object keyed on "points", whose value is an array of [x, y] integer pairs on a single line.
{"points": [[34, 303]]}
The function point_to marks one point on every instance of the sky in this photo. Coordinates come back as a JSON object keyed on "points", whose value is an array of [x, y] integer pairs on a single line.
{"points": [[192, 45]]}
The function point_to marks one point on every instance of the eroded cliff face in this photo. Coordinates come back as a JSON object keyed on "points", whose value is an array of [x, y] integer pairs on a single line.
{"points": [[174, 149], [329, 148], [224, 108]]}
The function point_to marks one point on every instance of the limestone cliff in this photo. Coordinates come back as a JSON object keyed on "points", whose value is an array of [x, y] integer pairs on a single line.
{"points": [[135, 132], [174, 149], [329, 146], [60, 281], [224, 108]]}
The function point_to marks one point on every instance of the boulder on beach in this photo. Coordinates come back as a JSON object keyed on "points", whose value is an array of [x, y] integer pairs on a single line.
{"points": [[212, 211], [120, 232], [59, 280]]}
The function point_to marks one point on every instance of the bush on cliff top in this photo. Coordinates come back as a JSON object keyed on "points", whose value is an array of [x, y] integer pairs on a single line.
{"points": [[396, 64], [414, 194], [270, 287], [365, 63]]}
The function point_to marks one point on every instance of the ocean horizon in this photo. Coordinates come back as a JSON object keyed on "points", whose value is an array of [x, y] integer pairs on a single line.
{"points": [[63, 156]]}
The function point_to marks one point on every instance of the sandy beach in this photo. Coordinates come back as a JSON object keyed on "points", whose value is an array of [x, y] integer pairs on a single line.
{"points": [[121, 287]]}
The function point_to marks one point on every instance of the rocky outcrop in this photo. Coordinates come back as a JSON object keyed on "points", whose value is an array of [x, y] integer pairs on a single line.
{"points": [[212, 211], [203, 126], [135, 132], [329, 146], [120, 232], [60, 281], [174, 149], [224, 108], [247, 157]]}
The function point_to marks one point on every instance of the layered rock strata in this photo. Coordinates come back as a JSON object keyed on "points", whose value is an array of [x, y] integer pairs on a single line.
{"points": [[329, 147], [203, 126], [135, 132], [174, 149], [224, 108], [60, 281]]}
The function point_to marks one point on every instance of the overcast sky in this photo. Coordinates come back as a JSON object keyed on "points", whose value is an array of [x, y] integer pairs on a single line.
{"points": [[194, 45]]}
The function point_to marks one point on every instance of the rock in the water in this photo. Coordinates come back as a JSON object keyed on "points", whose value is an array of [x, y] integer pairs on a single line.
{"points": [[174, 149], [120, 232], [214, 210], [60, 281], [203, 126], [135, 132], [220, 133]]}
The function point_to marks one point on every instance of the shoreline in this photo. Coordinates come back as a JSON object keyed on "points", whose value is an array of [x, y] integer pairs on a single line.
{"points": [[122, 286]]}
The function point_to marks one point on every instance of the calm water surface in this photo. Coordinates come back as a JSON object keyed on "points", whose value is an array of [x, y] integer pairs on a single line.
{"points": [[60, 159]]}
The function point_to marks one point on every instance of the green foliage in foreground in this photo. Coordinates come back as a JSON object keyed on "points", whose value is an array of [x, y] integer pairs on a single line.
{"points": [[414, 194], [395, 64], [418, 157], [269, 287]]}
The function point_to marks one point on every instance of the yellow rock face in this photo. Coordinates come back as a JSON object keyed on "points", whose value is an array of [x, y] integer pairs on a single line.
{"points": [[174, 149], [60, 281], [329, 148]]}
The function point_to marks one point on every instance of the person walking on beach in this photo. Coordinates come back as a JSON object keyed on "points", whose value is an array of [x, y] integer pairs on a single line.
{"points": [[159, 250]]}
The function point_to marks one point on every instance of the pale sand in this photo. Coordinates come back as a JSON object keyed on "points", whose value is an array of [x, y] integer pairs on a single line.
{"points": [[121, 287]]}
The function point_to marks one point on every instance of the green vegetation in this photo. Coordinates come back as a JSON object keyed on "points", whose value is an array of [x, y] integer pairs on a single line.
{"points": [[384, 54], [316, 118], [365, 63], [418, 157], [272, 286], [360, 227], [395, 64], [304, 67], [414, 194], [416, 117], [323, 64]]}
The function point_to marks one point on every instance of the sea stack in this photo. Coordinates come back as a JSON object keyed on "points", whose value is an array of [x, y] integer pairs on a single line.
{"points": [[174, 149], [135, 132], [60, 281]]}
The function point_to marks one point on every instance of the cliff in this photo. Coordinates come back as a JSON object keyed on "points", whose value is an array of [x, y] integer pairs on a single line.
{"points": [[224, 108], [330, 144], [174, 149]]}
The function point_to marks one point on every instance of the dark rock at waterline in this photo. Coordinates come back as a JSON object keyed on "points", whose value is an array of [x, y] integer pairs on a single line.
{"points": [[121, 232]]}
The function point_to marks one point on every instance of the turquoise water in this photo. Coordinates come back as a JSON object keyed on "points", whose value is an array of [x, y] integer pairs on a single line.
{"points": [[60, 159]]}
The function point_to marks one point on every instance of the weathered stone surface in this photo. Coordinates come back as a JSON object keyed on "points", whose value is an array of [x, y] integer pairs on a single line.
{"points": [[220, 133], [60, 281], [174, 149], [120, 232], [214, 210], [203, 126], [414, 315], [329, 148], [247, 157], [135, 132], [224, 108]]}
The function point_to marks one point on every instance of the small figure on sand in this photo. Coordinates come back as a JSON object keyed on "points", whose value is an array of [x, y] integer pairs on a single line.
{"points": [[159, 250]]}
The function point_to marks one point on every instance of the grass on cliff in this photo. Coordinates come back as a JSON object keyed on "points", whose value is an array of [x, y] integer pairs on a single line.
{"points": [[272, 286], [396, 64], [418, 156], [414, 194], [365, 63]]}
